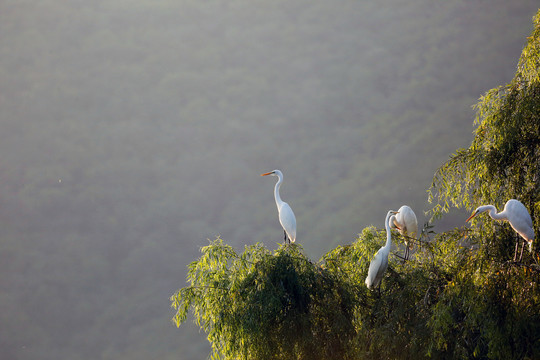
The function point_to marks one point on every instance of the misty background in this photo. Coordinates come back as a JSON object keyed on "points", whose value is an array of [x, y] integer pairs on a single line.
{"points": [[133, 131]]}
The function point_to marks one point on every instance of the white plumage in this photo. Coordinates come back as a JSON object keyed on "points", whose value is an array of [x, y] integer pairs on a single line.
{"points": [[517, 215], [407, 224], [286, 215], [379, 264]]}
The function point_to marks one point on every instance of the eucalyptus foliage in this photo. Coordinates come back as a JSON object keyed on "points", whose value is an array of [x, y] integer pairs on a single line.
{"points": [[491, 306], [263, 305], [280, 305]]}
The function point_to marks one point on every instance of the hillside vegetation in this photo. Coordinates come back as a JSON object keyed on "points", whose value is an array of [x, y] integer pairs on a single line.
{"points": [[133, 131]]}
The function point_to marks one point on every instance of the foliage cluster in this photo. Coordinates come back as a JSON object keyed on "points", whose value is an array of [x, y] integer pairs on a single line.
{"points": [[493, 311], [260, 305]]}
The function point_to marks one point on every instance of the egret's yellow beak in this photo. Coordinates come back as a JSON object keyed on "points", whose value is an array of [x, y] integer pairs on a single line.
{"points": [[470, 217], [268, 173]]}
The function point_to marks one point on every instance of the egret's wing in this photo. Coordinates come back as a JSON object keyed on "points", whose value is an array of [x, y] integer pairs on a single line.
{"points": [[408, 220], [383, 266], [520, 219], [371, 279], [288, 220]]}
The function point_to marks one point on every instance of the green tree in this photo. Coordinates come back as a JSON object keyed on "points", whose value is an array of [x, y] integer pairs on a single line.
{"points": [[491, 308], [281, 305], [263, 305]]}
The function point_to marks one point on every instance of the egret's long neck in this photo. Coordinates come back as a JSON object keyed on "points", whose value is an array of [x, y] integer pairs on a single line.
{"points": [[493, 212], [388, 232], [276, 192]]}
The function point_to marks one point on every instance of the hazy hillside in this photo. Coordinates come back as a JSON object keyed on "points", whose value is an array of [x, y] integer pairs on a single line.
{"points": [[132, 131]]}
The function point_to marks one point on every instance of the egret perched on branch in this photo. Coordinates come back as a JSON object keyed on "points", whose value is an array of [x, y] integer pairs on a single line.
{"points": [[517, 215], [405, 221], [286, 215], [379, 264]]}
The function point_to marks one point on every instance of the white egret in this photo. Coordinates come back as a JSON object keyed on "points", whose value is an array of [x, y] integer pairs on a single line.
{"points": [[286, 215], [379, 264], [517, 215], [407, 224]]}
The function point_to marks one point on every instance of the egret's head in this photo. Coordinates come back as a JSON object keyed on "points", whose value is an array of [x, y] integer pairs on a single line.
{"points": [[389, 215], [273, 173], [393, 223]]}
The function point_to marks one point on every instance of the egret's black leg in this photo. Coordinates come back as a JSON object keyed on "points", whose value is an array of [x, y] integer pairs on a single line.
{"points": [[406, 252], [284, 236], [515, 251], [521, 255]]}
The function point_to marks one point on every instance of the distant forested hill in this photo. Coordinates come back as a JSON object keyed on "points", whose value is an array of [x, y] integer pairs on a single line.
{"points": [[132, 131]]}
